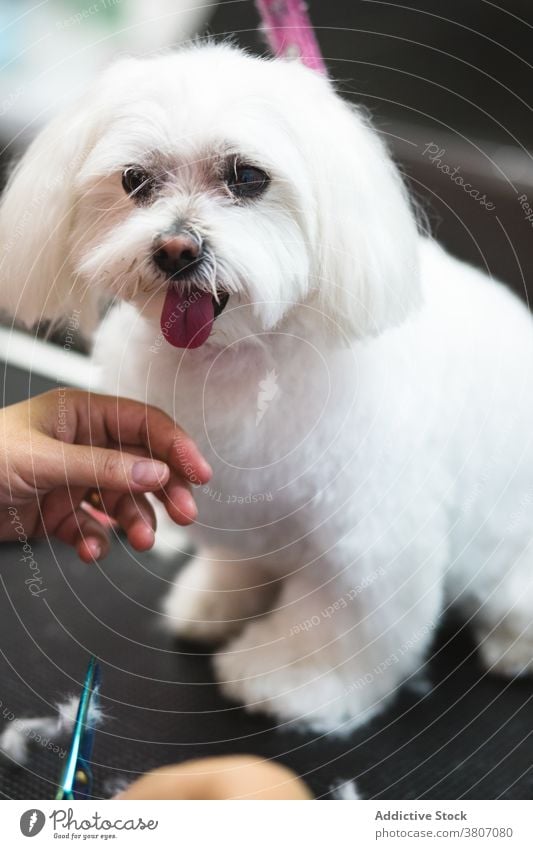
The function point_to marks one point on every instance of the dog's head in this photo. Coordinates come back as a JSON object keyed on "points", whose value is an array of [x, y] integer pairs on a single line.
{"points": [[218, 192]]}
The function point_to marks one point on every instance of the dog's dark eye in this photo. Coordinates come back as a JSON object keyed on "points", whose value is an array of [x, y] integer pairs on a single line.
{"points": [[137, 183], [246, 181]]}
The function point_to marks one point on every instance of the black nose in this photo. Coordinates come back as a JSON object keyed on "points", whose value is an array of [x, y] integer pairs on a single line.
{"points": [[177, 254]]}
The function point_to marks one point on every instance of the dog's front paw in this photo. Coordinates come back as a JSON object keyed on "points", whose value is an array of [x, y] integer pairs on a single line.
{"points": [[506, 651], [259, 670], [211, 600], [200, 616]]}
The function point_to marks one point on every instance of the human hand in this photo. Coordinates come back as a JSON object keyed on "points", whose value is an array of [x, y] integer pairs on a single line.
{"points": [[58, 447], [228, 777]]}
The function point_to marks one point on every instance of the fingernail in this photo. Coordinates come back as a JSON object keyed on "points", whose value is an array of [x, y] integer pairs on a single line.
{"points": [[190, 506], [149, 473], [184, 502], [207, 470], [95, 549]]}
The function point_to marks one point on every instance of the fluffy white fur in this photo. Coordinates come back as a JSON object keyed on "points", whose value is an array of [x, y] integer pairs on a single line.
{"points": [[389, 474], [20, 734]]}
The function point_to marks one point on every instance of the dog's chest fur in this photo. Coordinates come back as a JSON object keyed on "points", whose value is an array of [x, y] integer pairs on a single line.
{"points": [[308, 444]]}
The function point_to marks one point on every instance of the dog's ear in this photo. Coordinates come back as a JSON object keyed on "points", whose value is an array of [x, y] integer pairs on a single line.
{"points": [[38, 207], [36, 210], [366, 276]]}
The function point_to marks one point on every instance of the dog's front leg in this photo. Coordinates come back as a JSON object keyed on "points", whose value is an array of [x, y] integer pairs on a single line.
{"points": [[216, 595], [333, 650]]}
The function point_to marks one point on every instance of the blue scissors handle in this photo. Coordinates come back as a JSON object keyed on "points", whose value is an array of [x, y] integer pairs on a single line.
{"points": [[76, 777]]}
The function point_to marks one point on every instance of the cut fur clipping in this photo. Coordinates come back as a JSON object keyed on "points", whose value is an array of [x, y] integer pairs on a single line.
{"points": [[346, 791], [115, 784], [45, 731]]}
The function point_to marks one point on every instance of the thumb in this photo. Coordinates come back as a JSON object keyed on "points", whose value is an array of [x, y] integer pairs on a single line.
{"points": [[83, 465]]}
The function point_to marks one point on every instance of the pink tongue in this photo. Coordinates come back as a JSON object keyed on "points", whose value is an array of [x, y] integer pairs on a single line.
{"points": [[187, 320]]}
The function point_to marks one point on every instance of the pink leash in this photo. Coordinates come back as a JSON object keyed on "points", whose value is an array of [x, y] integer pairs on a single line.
{"points": [[290, 33]]}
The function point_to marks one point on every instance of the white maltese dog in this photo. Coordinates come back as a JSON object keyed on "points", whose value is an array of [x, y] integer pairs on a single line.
{"points": [[365, 400]]}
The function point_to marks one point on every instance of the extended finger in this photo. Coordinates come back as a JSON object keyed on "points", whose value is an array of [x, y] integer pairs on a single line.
{"points": [[102, 419], [62, 464], [178, 501], [136, 516]]}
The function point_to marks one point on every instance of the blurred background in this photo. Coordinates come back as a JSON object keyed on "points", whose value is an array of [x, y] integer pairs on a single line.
{"points": [[449, 85]]}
